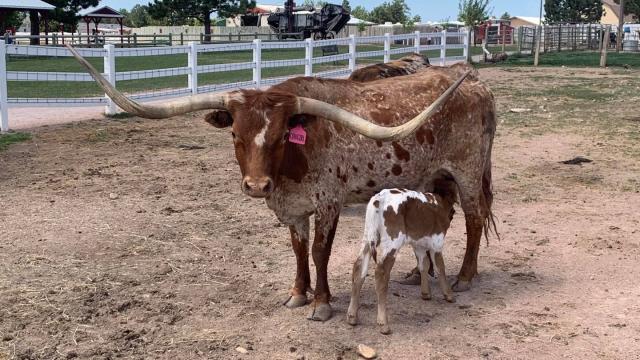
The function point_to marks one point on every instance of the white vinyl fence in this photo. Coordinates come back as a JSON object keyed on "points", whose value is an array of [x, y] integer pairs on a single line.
{"points": [[402, 44]]}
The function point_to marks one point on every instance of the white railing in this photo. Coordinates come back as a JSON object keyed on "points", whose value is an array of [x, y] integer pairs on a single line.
{"points": [[406, 43]]}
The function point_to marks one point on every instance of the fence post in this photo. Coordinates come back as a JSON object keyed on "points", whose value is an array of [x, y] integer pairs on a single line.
{"points": [[110, 75], [257, 63], [170, 39], [560, 38], [352, 53], [605, 48], [135, 40], [443, 49], [465, 50], [308, 64], [4, 112], [387, 47], [192, 59], [536, 58], [417, 42]]}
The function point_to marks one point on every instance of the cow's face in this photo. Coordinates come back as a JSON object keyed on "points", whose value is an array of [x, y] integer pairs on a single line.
{"points": [[260, 128]]}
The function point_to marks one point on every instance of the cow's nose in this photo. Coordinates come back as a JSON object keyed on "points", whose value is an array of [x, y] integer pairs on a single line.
{"points": [[257, 187]]}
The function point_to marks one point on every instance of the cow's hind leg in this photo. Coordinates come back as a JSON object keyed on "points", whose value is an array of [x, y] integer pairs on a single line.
{"points": [[471, 205], [302, 283], [325, 231]]}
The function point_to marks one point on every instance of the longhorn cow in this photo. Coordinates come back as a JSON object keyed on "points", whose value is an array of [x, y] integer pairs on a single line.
{"points": [[346, 158]]}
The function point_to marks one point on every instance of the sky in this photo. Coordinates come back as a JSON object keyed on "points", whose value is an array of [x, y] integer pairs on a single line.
{"points": [[433, 10]]}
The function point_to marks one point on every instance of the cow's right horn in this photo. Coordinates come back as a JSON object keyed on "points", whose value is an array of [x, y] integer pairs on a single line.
{"points": [[369, 129], [166, 110]]}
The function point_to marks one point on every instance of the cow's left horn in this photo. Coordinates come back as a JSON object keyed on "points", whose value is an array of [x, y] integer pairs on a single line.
{"points": [[162, 111], [369, 129]]}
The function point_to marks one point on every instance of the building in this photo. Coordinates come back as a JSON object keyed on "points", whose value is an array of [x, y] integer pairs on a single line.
{"points": [[611, 14], [517, 21]]}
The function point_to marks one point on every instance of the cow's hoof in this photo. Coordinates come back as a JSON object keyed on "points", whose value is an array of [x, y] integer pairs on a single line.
{"points": [[450, 298], [320, 312], [425, 296], [296, 301], [461, 285]]}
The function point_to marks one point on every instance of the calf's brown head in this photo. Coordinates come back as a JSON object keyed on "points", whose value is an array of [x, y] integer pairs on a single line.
{"points": [[259, 121]]}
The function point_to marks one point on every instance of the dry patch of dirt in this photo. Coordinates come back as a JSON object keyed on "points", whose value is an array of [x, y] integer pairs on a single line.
{"points": [[120, 239]]}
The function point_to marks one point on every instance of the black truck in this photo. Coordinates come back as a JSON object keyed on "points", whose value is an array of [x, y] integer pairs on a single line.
{"points": [[322, 23]]}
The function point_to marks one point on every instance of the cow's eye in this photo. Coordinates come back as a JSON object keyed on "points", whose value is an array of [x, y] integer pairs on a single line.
{"points": [[233, 135]]}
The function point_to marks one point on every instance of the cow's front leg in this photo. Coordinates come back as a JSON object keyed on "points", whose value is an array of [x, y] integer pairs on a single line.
{"points": [[300, 244], [325, 231]]}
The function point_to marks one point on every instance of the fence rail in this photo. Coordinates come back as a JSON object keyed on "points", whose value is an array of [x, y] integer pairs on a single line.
{"points": [[341, 64]]}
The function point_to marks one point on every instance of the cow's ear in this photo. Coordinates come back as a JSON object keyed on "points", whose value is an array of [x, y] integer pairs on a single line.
{"points": [[219, 118], [301, 119]]}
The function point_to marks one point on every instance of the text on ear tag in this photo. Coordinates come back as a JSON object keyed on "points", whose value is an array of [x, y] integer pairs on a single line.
{"points": [[298, 135]]}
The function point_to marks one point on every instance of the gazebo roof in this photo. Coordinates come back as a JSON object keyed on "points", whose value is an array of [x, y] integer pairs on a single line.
{"points": [[100, 12], [25, 5]]}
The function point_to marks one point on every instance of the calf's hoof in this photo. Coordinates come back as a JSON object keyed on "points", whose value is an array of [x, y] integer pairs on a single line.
{"points": [[425, 296], [461, 285], [450, 298], [385, 329], [320, 312], [296, 301], [352, 319]]}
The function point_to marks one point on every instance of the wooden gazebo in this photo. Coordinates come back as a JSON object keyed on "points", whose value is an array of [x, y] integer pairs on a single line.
{"points": [[96, 15]]}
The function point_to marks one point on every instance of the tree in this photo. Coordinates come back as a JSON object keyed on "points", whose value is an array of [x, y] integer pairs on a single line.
{"points": [[631, 7], [473, 12], [573, 11], [139, 16], [360, 12], [505, 16], [315, 3], [12, 20], [397, 11], [65, 13], [180, 12], [346, 5]]}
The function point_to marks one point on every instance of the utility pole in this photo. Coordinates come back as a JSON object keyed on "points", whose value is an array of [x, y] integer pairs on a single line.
{"points": [[620, 27]]}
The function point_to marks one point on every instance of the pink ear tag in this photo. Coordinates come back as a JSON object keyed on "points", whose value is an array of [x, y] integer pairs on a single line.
{"points": [[298, 135]]}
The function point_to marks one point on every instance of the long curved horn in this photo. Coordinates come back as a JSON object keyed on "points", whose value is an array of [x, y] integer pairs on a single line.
{"points": [[166, 110], [369, 129]]}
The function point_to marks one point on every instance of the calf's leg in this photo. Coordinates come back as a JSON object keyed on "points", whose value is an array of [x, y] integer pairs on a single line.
{"points": [[383, 271], [442, 278], [325, 231], [424, 265], [302, 283], [359, 274]]}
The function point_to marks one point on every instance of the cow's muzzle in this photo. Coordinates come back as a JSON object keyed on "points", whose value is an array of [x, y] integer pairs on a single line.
{"points": [[257, 187]]}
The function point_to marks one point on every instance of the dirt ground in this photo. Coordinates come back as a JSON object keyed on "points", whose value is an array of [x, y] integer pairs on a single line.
{"points": [[115, 242]]}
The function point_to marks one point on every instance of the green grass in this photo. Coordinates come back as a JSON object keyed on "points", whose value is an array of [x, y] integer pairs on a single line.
{"points": [[12, 138], [68, 89], [575, 59]]}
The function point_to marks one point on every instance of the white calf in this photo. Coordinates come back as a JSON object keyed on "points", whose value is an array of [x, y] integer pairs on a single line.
{"points": [[396, 217]]}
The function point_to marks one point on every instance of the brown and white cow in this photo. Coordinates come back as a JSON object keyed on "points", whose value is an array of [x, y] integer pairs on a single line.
{"points": [[345, 158], [409, 64]]}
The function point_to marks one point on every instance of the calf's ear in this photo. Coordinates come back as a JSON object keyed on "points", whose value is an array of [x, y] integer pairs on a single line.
{"points": [[219, 118]]}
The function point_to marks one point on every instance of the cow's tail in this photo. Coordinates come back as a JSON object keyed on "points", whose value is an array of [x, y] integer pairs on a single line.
{"points": [[487, 190]]}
